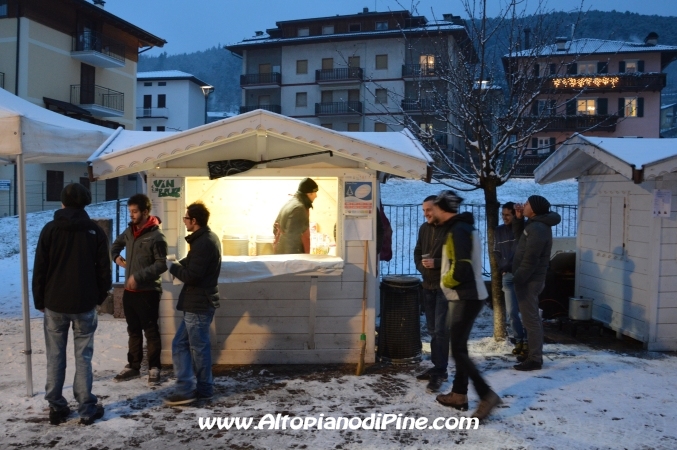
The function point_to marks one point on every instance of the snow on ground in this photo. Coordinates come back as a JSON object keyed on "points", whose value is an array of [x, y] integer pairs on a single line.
{"points": [[583, 398]]}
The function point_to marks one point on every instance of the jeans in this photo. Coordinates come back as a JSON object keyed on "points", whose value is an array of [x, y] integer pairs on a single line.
{"points": [[512, 308], [56, 327], [141, 312], [527, 296], [192, 355], [461, 317], [436, 306]]}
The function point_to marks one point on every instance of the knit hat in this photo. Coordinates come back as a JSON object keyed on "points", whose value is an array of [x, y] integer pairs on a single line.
{"points": [[75, 195], [306, 186], [448, 201], [539, 205]]}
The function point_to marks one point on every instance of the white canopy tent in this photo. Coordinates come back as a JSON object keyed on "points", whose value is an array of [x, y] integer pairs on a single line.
{"points": [[32, 134]]}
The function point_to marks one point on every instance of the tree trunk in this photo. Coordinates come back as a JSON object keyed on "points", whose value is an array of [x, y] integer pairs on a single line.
{"points": [[492, 213]]}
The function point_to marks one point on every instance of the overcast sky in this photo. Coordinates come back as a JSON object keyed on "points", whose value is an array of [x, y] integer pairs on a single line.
{"points": [[190, 26]]}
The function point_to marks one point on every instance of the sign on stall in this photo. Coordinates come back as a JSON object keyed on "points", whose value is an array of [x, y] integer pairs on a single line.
{"points": [[164, 189], [662, 199], [5, 185], [358, 195]]}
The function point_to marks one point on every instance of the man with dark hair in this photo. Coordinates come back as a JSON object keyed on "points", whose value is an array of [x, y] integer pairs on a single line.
{"points": [[71, 275], [292, 225], [529, 267], [146, 251], [427, 257], [504, 248], [199, 298], [463, 285]]}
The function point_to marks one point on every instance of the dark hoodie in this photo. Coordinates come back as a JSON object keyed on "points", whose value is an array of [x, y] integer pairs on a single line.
{"points": [[72, 267], [534, 242]]}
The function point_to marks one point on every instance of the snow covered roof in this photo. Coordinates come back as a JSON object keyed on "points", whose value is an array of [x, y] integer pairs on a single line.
{"points": [[259, 135], [160, 75], [624, 155], [597, 46]]}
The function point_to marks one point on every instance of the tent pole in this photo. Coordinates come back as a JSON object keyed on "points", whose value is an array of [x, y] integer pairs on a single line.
{"points": [[21, 203]]}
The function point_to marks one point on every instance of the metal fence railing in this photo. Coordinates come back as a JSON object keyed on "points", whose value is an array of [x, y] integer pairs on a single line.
{"points": [[405, 221]]}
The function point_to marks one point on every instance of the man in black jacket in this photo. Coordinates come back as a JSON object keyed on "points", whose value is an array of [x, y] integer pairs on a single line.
{"points": [[146, 251], [429, 244], [529, 266], [199, 298], [71, 275], [291, 227]]}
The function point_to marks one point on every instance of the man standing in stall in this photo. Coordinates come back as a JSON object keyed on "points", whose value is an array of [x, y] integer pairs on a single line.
{"points": [[292, 225]]}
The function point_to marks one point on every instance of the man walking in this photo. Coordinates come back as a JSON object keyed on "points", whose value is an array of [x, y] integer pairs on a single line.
{"points": [[428, 257], [71, 275], [504, 247], [199, 297], [529, 266], [146, 250]]}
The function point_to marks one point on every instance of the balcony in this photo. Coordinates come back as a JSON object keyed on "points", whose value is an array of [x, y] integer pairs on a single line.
{"points": [[339, 76], [260, 80], [437, 140], [99, 101], [618, 82], [422, 106], [578, 123], [272, 108], [412, 71], [152, 113], [98, 50], [338, 109]]}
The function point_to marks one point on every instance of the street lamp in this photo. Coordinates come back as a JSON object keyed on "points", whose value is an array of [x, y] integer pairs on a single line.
{"points": [[206, 90]]}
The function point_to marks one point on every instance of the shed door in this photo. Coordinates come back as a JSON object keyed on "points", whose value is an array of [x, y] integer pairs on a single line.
{"points": [[611, 224]]}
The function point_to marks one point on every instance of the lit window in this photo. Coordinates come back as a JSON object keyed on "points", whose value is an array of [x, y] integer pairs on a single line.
{"points": [[630, 109], [630, 67], [301, 66], [301, 99], [328, 29], [381, 62], [381, 96], [586, 107], [587, 67], [427, 63], [381, 26], [303, 32]]}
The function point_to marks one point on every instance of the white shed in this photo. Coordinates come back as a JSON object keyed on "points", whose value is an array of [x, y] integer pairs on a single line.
{"points": [[627, 231], [274, 308]]}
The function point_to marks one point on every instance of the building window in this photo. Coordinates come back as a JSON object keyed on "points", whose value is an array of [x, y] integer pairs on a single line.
{"points": [[264, 100], [111, 189], [546, 107], [381, 62], [381, 96], [327, 63], [380, 127], [327, 96], [353, 127], [3, 8], [84, 181], [303, 32], [327, 125], [265, 68], [545, 145], [630, 67], [301, 99], [54, 185], [162, 83], [630, 107], [328, 29], [146, 128], [162, 101], [148, 83], [586, 107], [301, 66], [160, 128], [427, 62], [354, 27], [381, 26], [354, 61], [587, 67]]}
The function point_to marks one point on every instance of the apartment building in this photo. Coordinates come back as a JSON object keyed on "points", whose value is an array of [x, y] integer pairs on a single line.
{"points": [[170, 100], [359, 72], [75, 58], [595, 87]]}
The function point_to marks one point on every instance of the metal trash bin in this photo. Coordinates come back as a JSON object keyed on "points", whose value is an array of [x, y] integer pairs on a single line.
{"points": [[399, 337]]}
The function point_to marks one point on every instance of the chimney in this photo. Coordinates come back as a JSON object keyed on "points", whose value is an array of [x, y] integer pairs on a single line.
{"points": [[527, 34], [99, 3], [651, 39], [561, 43], [365, 10], [258, 33]]}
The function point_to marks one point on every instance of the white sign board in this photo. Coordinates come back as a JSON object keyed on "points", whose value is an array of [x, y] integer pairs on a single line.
{"points": [[5, 185], [358, 195], [662, 199]]}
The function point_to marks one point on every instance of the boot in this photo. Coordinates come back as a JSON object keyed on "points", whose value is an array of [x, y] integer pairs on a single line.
{"points": [[458, 401], [518, 348], [487, 404], [524, 354]]}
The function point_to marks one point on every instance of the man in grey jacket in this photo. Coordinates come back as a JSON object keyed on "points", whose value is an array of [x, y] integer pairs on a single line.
{"points": [[529, 266], [146, 251]]}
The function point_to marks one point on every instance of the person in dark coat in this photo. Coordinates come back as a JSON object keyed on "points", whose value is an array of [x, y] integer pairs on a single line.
{"points": [[146, 251], [529, 267], [199, 298], [71, 276], [292, 225]]}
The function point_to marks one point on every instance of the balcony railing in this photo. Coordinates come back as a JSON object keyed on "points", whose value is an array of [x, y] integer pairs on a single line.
{"points": [[346, 74], [423, 105], [601, 82], [152, 113], [2, 80], [586, 122], [253, 79], [421, 70], [95, 42], [100, 101], [338, 108], [272, 108], [438, 140]]}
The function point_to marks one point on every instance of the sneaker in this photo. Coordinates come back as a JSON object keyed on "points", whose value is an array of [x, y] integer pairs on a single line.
{"points": [[97, 415], [127, 374], [204, 396], [518, 348], [528, 365], [180, 399], [153, 376], [458, 401], [425, 375], [435, 383], [57, 416], [487, 404]]}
